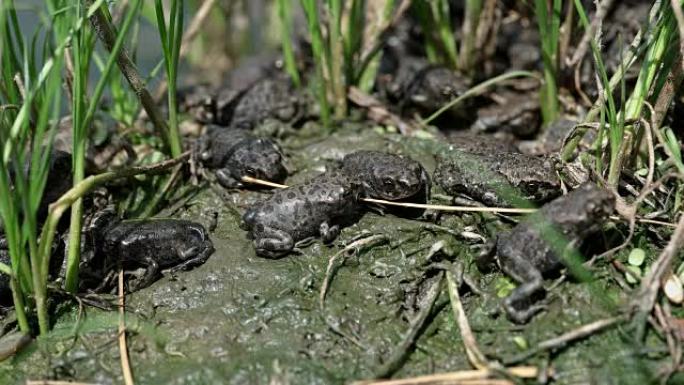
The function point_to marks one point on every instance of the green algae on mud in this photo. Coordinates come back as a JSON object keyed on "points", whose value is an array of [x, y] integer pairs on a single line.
{"points": [[241, 319]]}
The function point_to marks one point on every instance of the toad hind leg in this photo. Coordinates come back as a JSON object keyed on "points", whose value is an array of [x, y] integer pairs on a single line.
{"points": [[273, 243], [328, 233], [192, 257], [151, 274], [519, 304]]}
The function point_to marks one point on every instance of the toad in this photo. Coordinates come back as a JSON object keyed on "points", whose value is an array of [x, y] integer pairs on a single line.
{"points": [[386, 176], [517, 113], [155, 245], [504, 180], [234, 153], [538, 245], [295, 214]]}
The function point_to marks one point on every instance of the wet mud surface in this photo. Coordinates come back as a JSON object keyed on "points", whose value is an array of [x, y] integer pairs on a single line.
{"points": [[241, 319]]}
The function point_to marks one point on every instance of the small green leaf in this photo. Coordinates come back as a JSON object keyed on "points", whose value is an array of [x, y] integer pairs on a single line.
{"points": [[629, 277], [504, 287], [642, 172], [521, 342], [422, 134], [636, 257]]}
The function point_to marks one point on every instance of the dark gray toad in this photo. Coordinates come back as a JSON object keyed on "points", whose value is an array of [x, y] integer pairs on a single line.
{"points": [[235, 153], [518, 114], [318, 207], [416, 85], [273, 97], [387, 176], [433, 87], [526, 253], [321, 206], [152, 244], [505, 179], [482, 143], [246, 104]]}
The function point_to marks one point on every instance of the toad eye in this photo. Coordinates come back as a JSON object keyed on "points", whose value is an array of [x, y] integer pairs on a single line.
{"points": [[250, 171], [387, 182]]}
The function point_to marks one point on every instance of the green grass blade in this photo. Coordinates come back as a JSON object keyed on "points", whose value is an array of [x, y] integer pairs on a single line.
{"points": [[285, 15], [319, 53]]}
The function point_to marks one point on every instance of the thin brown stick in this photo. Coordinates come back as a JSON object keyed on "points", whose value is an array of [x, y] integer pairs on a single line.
{"points": [[677, 10], [123, 349], [672, 342], [164, 190], [601, 11], [49, 382], [667, 93], [459, 377], [401, 351], [508, 210], [564, 339], [12, 343], [379, 113], [370, 50], [657, 222], [105, 31], [475, 356], [195, 26], [354, 246]]}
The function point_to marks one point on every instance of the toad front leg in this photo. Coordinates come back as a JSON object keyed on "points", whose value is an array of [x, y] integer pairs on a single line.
{"points": [[519, 304], [328, 233], [273, 243], [226, 179]]}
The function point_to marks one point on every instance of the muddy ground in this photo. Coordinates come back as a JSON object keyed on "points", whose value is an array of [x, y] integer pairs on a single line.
{"points": [[241, 319]]}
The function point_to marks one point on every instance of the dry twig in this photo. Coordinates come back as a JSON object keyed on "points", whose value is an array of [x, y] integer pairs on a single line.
{"points": [[105, 31], [396, 360], [123, 350], [379, 113], [601, 11], [677, 10], [475, 356], [564, 339], [509, 210], [352, 247], [48, 382], [465, 377]]}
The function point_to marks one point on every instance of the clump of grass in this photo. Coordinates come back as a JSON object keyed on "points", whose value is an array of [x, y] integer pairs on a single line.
{"points": [[345, 54], [22, 135], [548, 21], [657, 61], [81, 122], [28, 128], [320, 53], [171, 37], [285, 15], [440, 43]]}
